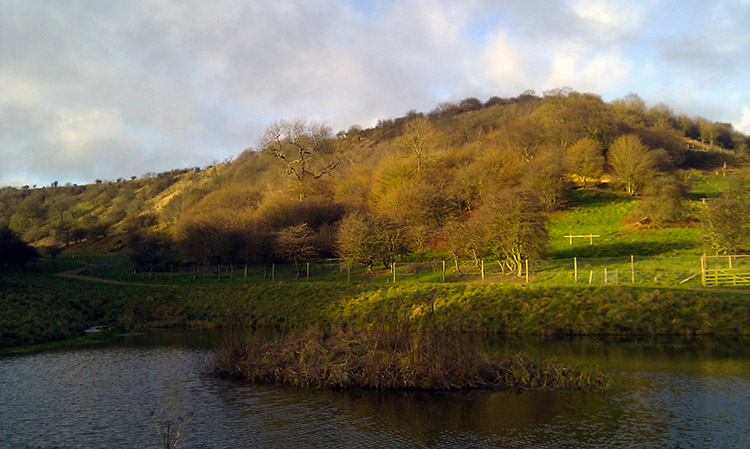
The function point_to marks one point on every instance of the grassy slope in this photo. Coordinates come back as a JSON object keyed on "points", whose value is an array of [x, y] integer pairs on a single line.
{"points": [[663, 255], [37, 307]]}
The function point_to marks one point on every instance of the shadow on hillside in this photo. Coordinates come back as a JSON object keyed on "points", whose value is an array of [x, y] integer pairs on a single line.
{"points": [[624, 249], [698, 196], [594, 198], [707, 160]]}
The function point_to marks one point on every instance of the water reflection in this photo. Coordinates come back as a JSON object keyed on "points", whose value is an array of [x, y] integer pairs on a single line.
{"points": [[720, 356], [675, 392]]}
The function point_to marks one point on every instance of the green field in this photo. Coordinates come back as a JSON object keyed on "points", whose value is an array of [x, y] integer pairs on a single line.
{"points": [[38, 307], [662, 256]]}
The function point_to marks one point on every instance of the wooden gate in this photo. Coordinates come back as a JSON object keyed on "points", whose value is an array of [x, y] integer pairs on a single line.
{"points": [[733, 274]]}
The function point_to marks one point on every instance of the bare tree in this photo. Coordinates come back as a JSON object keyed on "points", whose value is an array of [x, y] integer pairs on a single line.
{"points": [[631, 161], [366, 237], [663, 199], [725, 220], [515, 228], [305, 149], [419, 138], [296, 243], [358, 239]]}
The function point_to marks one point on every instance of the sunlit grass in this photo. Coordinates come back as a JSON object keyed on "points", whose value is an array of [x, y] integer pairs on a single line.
{"points": [[37, 307]]}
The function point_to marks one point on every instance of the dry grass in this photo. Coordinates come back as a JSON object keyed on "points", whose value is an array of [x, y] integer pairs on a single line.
{"points": [[402, 358]]}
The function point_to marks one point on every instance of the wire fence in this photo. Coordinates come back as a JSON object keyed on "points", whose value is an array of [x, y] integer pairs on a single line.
{"points": [[727, 262], [633, 270]]}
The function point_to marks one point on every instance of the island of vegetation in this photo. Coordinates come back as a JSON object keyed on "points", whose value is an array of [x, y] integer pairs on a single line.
{"points": [[540, 214], [397, 358]]}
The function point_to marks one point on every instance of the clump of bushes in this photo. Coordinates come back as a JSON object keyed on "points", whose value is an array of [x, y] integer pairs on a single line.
{"points": [[405, 358], [14, 252]]}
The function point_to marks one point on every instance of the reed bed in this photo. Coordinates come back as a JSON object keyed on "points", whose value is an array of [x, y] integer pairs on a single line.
{"points": [[404, 358]]}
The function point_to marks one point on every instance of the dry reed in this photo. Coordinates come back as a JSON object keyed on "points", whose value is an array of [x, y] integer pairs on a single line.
{"points": [[400, 358]]}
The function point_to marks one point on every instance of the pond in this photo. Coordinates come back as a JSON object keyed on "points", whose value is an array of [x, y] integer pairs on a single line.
{"points": [[672, 392]]}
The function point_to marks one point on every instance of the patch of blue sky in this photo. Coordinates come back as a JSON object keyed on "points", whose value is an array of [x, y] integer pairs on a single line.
{"points": [[368, 8], [482, 25], [441, 91]]}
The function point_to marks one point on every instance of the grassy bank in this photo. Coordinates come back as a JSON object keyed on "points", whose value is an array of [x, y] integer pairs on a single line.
{"points": [[396, 358], [36, 307], [477, 308]]}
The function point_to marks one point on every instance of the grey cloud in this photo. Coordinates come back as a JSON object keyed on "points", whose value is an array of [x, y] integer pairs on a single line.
{"points": [[195, 81]]}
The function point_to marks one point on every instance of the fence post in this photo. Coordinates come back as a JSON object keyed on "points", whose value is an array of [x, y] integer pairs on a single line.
{"points": [[308, 271], [730, 262], [605, 275], [443, 272], [218, 271], [591, 276], [575, 270], [527, 271], [703, 270], [244, 277], [273, 272], [632, 270], [393, 269], [482, 270]]}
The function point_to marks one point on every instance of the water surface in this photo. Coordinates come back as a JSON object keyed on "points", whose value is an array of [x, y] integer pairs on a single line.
{"points": [[672, 392]]}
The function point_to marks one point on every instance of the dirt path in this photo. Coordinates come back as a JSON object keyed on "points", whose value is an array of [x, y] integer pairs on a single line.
{"points": [[75, 274]]}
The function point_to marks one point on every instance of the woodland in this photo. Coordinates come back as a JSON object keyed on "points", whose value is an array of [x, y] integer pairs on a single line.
{"points": [[469, 179]]}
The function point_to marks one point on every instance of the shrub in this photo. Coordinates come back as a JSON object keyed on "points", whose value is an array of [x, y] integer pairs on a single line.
{"points": [[14, 252]]}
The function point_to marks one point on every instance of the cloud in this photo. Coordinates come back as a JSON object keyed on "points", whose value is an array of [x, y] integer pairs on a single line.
{"points": [[508, 65], [611, 17], [743, 124], [599, 72], [173, 84]]}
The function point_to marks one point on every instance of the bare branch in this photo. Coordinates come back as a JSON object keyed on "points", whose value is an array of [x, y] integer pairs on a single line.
{"points": [[302, 147]]}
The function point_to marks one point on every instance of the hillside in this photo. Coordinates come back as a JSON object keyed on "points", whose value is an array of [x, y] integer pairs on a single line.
{"points": [[440, 183]]}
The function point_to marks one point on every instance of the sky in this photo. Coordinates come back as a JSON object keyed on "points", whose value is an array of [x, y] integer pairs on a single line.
{"points": [[106, 89]]}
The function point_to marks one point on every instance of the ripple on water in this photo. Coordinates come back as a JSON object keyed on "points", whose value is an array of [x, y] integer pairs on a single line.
{"points": [[103, 398]]}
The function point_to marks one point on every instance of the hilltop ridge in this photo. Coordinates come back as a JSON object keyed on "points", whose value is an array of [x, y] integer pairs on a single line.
{"points": [[422, 173]]}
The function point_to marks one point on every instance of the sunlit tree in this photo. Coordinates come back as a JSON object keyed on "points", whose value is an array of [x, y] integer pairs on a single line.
{"points": [[419, 139], [725, 221], [304, 148], [632, 163], [585, 159]]}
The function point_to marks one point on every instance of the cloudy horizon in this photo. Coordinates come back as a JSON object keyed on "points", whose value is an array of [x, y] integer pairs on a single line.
{"points": [[107, 89]]}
